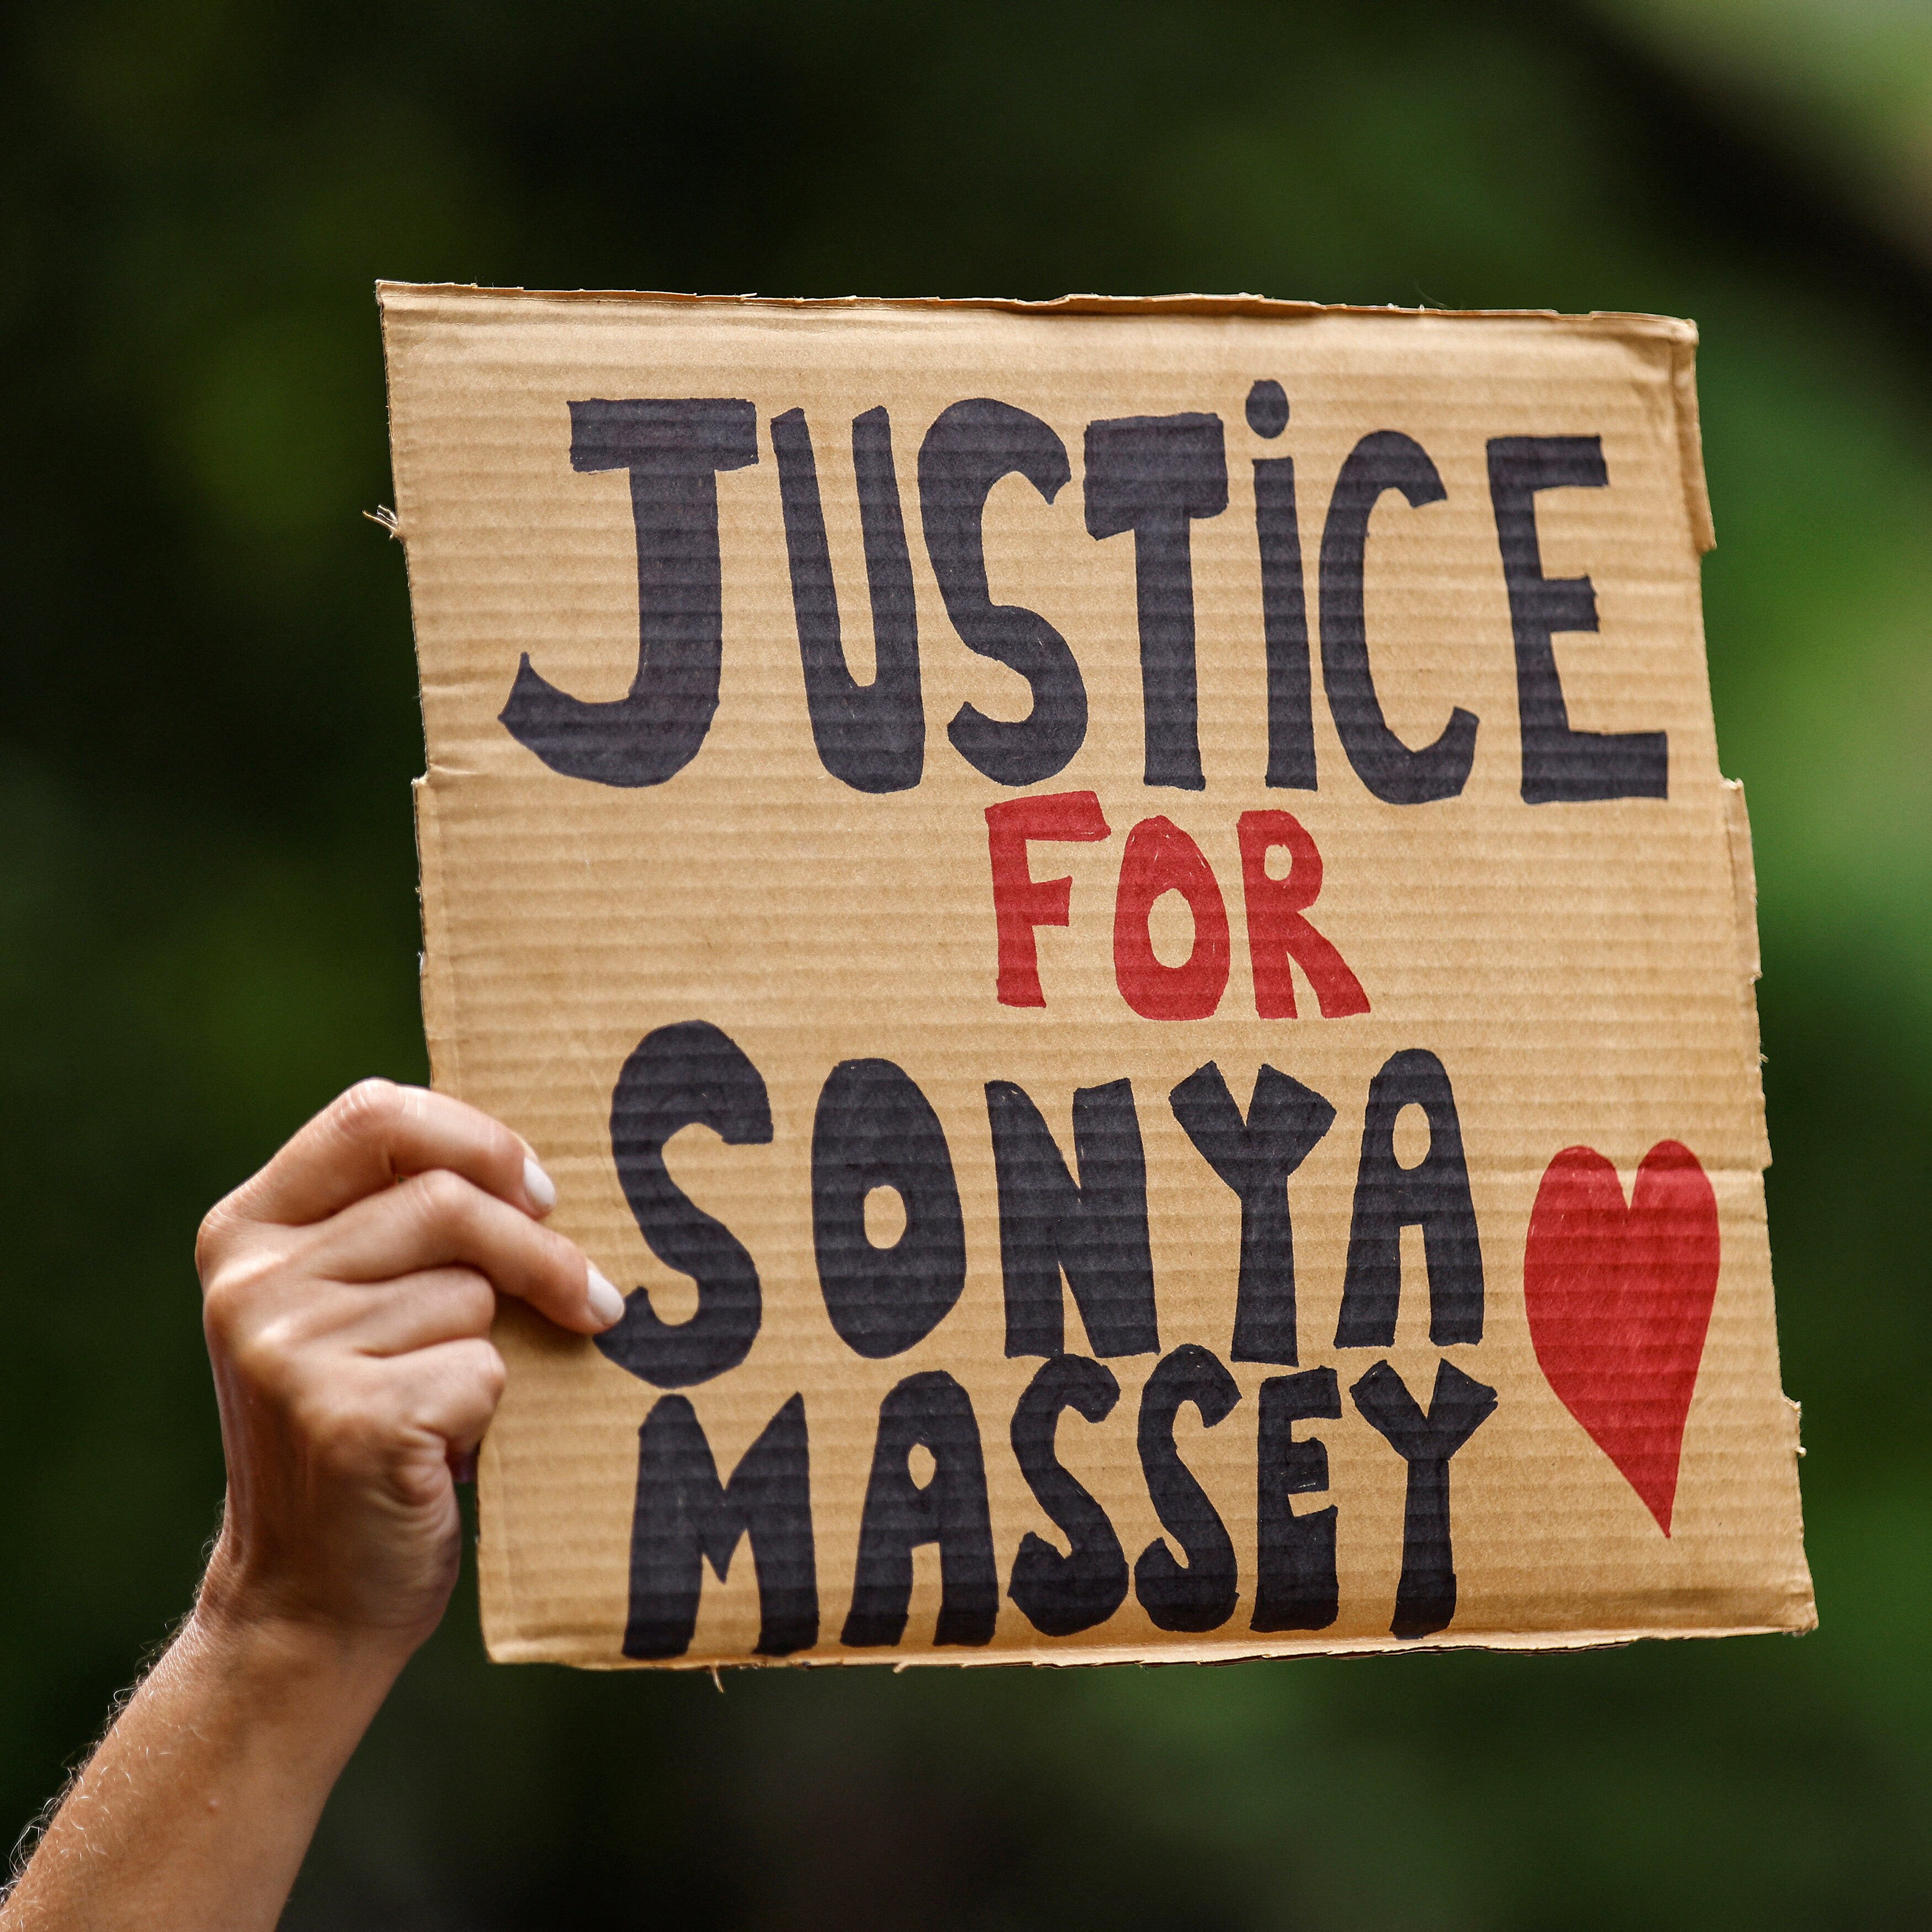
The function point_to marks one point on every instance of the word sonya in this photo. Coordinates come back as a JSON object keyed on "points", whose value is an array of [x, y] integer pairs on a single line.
{"points": [[1161, 858], [1084, 1224], [1152, 476]]}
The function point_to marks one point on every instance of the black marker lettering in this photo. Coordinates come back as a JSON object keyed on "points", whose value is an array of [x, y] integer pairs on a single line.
{"points": [[1295, 1584], [1094, 1229], [1155, 475], [1386, 460], [1199, 1594], [687, 1075], [971, 446], [872, 735], [1255, 1157], [933, 1411], [674, 450], [1291, 705], [1425, 1598], [684, 1514], [1390, 1197], [875, 1129], [1061, 1594], [1559, 763]]}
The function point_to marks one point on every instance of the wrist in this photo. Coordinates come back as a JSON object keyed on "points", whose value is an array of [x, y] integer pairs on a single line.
{"points": [[284, 1621], [307, 1665]]}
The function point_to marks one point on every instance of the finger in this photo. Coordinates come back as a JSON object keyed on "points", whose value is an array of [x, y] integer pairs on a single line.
{"points": [[439, 1220], [418, 1311], [379, 1131], [449, 1391]]}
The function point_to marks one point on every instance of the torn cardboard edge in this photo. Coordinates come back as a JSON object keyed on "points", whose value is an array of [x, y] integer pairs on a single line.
{"points": [[1615, 321], [435, 974], [1680, 333], [1118, 1656]]}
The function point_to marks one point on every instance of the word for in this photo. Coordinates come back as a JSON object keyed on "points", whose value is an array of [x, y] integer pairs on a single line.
{"points": [[1161, 858], [1152, 476]]}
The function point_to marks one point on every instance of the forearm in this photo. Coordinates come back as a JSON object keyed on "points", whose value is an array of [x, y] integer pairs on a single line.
{"points": [[196, 1811], [348, 1294]]}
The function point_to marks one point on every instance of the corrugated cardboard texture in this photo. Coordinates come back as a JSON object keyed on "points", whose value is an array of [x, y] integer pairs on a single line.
{"points": [[1579, 969]]}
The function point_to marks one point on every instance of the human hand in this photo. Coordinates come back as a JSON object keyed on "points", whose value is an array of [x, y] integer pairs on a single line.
{"points": [[348, 1291]]}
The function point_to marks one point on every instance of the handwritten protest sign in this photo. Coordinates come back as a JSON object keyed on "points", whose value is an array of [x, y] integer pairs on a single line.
{"points": [[1120, 921]]}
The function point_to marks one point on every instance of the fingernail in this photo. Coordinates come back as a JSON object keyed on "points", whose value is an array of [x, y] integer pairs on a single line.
{"points": [[463, 1465], [606, 1304], [539, 1186]]}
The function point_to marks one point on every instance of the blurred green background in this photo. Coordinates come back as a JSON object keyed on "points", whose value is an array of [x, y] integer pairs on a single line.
{"points": [[208, 920]]}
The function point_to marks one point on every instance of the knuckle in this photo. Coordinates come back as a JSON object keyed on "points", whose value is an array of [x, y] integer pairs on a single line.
{"points": [[264, 1358], [220, 1310], [476, 1300], [492, 1373], [212, 1238], [229, 1292], [261, 1355], [559, 1257], [340, 1434], [340, 1418], [458, 1394], [502, 1148], [445, 1195], [262, 1313], [483, 1367], [369, 1110], [446, 1203]]}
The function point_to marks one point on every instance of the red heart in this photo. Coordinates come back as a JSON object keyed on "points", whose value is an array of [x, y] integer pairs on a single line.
{"points": [[1619, 1301]]}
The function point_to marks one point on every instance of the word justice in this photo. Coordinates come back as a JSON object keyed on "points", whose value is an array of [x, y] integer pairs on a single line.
{"points": [[1152, 476]]}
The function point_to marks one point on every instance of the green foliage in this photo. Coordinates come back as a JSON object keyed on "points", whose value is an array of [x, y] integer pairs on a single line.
{"points": [[207, 925]]}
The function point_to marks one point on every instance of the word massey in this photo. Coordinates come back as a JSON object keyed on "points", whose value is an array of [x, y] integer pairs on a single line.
{"points": [[875, 1129], [1154, 476]]}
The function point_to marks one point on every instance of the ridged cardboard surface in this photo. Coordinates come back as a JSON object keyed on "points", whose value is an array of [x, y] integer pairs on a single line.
{"points": [[656, 915]]}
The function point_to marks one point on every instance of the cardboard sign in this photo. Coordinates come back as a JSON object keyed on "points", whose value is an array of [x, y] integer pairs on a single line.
{"points": [[1119, 919]]}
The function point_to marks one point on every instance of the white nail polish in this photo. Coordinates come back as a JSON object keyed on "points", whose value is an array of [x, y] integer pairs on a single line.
{"points": [[606, 1304], [539, 1186]]}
